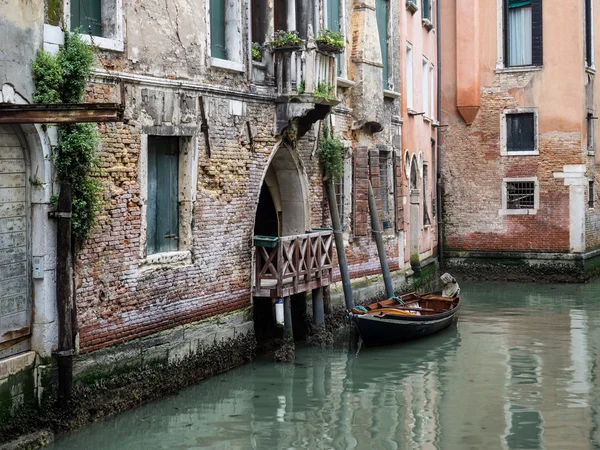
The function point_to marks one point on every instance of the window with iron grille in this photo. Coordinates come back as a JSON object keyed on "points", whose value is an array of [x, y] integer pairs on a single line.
{"points": [[520, 195], [591, 194], [384, 158], [520, 132]]}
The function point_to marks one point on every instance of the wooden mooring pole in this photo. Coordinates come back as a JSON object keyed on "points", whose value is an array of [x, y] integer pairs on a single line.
{"points": [[376, 228], [64, 293], [339, 245]]}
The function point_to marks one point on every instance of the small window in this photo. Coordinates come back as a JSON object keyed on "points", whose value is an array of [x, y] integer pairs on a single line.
{"points": [[523, 32], [381, 12], [426, 8], [162, 214], [589, 34], [225, 34], [333, 23], [590, 133], [425, 86], [432, 87], [86, 16], [409, 77], [520, 195], [591, 194], [520, 132]]}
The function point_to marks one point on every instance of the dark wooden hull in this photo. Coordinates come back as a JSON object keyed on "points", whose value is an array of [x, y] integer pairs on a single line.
{"points": [[385, 328]]}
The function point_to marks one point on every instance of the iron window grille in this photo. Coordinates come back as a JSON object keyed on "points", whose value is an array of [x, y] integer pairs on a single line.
{"points": [[520, 195]]}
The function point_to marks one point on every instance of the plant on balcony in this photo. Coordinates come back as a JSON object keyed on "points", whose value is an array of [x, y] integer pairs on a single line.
{"points": [[331, 155], [256, 52], [324, 91], [286, 40], [330, 41]]}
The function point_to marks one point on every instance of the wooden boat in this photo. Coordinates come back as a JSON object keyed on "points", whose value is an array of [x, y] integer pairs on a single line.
{"points": [[401, 319]]}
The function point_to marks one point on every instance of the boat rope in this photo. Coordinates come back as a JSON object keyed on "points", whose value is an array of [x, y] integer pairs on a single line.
{"points": [[399, 300]]}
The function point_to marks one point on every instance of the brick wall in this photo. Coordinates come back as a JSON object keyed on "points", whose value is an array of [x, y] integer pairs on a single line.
{"points": [[473, 169]]}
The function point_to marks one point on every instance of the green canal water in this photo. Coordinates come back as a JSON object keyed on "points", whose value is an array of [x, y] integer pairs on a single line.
{"points": [[519, 370]]}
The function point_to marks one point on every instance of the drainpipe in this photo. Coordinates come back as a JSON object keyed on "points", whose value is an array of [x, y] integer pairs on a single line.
{"points": [[64, 294], [438, 164]]}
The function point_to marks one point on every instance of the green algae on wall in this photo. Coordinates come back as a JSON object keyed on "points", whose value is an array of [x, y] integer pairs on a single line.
{"points": [[54, 12]]}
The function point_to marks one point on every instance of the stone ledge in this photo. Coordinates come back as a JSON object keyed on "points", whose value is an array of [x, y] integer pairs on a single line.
{"points": [[16, 364]]}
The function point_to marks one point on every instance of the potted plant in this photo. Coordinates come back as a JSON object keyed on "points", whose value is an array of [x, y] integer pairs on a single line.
{"points": [[256, 52], [330, 41], [286, 41]]}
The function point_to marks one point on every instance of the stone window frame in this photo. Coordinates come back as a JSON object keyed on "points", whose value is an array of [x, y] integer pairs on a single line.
{"points": [[504, 211], [188, 179], [504, 134], [112, 25], [233, 34]]}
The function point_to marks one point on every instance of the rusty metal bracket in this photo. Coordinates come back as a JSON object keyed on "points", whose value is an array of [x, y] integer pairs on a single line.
{"points": [[250, 137], [59, 215], [204, 127]]}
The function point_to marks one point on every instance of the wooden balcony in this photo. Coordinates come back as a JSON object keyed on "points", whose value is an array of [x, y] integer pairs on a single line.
{"points": [[296, 264]]}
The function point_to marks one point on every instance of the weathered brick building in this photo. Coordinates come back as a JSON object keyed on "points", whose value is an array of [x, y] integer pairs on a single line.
{"points": [[215, 147], [518, 144]]}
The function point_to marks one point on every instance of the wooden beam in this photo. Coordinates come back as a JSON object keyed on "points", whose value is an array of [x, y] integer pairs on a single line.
{"points": [[61, 113]]}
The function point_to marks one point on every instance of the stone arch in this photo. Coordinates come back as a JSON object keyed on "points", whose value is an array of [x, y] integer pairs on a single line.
{"points": [[287, 183]]}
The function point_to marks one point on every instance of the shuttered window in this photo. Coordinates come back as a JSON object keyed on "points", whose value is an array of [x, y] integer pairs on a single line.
{"points": [[523, 32], [426, 9], [381, 10], [520, 132], [163, 207], [333, 23], [86, 15], [217, 29], [589, 54]]}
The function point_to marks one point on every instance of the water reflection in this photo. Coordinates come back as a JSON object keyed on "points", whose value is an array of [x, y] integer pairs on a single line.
{"points": [[518, 371]]}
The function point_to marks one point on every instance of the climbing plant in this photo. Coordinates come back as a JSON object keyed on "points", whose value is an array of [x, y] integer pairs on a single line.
{"points": [[331, 156], [62, 78]]}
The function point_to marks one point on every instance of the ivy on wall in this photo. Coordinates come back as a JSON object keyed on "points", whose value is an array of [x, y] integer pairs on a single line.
{"points": [[62, 78]]}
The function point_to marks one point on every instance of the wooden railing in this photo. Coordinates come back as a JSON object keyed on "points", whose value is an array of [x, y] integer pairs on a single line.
{"points": [[297, 264], [303, 71]]}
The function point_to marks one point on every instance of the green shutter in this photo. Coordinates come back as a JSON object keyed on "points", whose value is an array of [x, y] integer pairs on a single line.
{"points": [[518, 3], [86, 15], [333, 15], [426, 10], [381, 10], [333, 23], [162, 210], [217, 29]]}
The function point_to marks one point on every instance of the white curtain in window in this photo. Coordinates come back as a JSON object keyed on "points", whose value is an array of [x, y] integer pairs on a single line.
{"points": [[519, 26]]}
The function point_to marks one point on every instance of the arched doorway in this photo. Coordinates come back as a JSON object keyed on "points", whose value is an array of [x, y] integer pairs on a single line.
{"points": [[283, 196], [15, 286], [282, 210]]}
